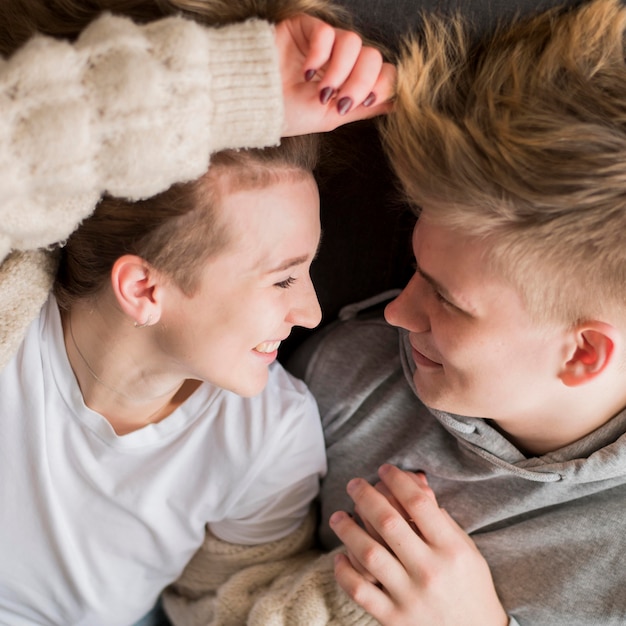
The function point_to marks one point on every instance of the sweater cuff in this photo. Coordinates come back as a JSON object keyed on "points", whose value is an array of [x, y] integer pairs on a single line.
{"points": [[25, 282], [246, 86]]}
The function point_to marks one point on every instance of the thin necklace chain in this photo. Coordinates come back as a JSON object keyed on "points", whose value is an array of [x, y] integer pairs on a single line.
{"points": [[106, 386]]}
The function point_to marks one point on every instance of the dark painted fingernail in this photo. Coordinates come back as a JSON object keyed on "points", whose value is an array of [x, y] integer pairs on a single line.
{"points": [[369, 100], [326, 94], [344, 105], [308, 75]]}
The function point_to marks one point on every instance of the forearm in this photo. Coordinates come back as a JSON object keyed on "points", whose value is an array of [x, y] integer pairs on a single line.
{"points": [[127, 109]]}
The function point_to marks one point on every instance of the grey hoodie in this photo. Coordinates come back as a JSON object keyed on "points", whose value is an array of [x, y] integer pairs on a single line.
{"points": [[553, 527]]}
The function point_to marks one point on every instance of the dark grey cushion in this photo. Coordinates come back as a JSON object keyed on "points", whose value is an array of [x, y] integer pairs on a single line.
{"points": [[388, 20]]}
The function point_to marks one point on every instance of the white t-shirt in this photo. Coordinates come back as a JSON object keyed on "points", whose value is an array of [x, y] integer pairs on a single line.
{"points": [[93, 525]]}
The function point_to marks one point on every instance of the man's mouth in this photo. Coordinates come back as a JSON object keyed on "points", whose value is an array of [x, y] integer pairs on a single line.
{"points": [[267, 346], [421, 359]]}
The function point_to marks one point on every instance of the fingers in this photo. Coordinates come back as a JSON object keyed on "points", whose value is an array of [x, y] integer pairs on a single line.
{"points": [[382, 489], [315, 40], [359, 568], [351, 71], [376, 102], [403, 515], [433, 576], [347, 73], [368, 558], [352, 75], [397, 532], [338, 59], [368, 526], [385, 86], [364, 592], [418, 500]]}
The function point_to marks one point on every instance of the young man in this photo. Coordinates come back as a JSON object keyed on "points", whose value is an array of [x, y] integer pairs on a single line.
{"points": [[498, 380], [514, 154]]}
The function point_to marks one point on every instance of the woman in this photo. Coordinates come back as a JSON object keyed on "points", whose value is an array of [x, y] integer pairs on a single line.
{"points": [[131, 108], [145, 403]]}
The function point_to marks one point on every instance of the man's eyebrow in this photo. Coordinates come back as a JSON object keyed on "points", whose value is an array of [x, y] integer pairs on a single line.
{"points": [[439, 288]]}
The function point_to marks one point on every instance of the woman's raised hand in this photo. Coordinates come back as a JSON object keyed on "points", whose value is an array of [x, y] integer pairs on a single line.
{"points": [[329, 77]]}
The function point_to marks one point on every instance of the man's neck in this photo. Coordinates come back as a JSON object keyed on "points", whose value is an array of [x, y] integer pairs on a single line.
{"points": [[585, 412]]}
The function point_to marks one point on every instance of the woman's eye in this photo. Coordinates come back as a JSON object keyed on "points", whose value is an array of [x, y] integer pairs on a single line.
{"points": [[285, 284]]}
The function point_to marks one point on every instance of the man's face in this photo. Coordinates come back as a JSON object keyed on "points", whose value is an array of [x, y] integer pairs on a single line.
{"points": [[252, 293], [476, 350]]}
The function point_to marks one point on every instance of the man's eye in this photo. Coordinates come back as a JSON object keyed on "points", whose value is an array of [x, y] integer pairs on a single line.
{"points": [[442, 299], [285, 284]]}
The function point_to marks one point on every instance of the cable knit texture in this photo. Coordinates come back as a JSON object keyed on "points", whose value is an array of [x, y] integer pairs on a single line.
{"points": [[282, 583], [129, 110]]}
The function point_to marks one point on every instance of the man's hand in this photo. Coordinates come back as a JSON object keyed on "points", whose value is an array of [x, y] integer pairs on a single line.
{"points": [[329, 77], [428, 572]]}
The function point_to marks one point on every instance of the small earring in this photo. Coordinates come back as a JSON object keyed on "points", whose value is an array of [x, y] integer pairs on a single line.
{"points": [[146, 323]]}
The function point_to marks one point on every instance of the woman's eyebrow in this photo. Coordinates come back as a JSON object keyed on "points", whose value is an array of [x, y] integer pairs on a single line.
{"points": [[299, 260]]}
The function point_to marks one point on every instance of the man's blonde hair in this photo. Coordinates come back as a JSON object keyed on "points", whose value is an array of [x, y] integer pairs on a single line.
{"points": [[521, 140]]}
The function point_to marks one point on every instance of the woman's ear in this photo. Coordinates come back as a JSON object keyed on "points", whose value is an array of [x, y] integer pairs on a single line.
{"points": [[137, 287], [593, 351]]}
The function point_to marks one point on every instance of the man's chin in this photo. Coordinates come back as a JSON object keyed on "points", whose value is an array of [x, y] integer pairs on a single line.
{"points": [[433, 395]]}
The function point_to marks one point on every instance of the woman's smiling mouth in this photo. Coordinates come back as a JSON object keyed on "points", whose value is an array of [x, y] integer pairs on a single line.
{"points": [[267, 347]]}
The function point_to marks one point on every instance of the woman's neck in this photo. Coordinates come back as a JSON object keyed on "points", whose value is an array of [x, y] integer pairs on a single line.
{"points": [[118, 370]]}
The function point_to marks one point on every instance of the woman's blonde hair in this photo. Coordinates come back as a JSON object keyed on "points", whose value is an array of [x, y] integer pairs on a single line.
{"points": [[521, 140]]}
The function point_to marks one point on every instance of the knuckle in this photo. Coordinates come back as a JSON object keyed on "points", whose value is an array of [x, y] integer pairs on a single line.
{"points": [[371, 557], [373, 55], [359, 592], [353, 39], [390, 522], [418, 501], [325, 30]]}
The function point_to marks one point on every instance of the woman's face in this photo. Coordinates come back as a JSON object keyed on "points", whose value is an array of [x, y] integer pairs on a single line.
{"points": [[252, 293]]}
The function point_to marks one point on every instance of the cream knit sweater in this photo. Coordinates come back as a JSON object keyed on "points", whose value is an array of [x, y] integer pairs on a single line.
{"points": [[283, 583], [128, 110]]}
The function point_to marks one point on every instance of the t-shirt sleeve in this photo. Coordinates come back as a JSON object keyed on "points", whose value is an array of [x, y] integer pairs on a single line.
{"points": [[284, 477]]}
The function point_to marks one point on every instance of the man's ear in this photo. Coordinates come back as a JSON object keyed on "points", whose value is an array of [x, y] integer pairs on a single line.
{"points": [[136, 285], [593, 351]]}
